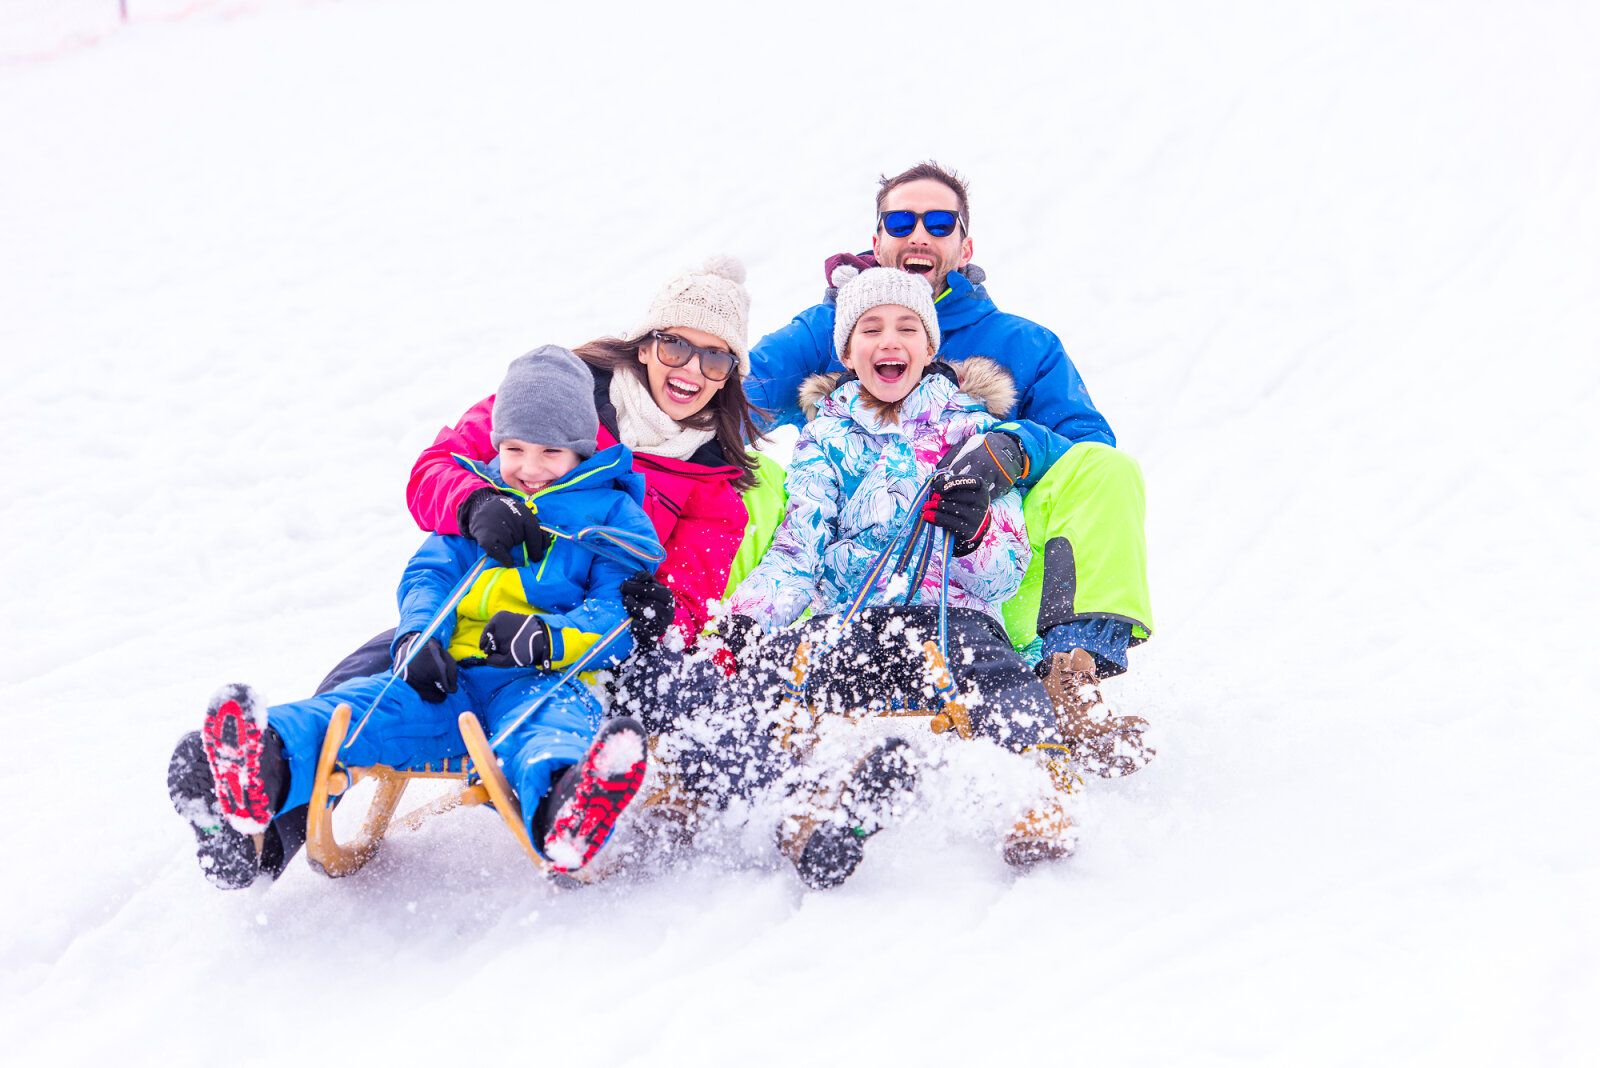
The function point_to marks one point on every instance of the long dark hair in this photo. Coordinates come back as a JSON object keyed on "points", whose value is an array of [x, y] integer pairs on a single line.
{"points": [[728, 413]]}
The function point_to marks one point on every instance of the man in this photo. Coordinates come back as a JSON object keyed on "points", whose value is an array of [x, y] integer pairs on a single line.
{"points": [[1086, 588]]}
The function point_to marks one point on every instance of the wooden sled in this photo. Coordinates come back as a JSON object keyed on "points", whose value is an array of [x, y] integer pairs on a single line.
{"points": [[479, 781], [796, 720], [1044, 832]]}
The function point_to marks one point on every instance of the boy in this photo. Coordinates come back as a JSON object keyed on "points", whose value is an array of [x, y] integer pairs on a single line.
{"points": [[501, 650]]}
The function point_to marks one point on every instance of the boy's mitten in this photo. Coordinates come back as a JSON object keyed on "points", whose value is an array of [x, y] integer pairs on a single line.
{"points": [[650, 605], [431, 672], [512, 639], [996, 459], [959, 504], [738, 633], [499, 523]]}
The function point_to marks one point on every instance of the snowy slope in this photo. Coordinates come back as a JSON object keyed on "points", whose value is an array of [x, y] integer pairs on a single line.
{"points": [[1331, 274]]}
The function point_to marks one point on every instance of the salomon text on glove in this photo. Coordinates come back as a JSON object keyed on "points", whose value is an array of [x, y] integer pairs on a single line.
{"points": [[996, 459], [431, 672], [959, 504], [512, 639], [499, 523]]}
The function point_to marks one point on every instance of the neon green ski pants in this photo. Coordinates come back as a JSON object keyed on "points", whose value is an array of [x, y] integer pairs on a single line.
{"points": [[1085, 521]]}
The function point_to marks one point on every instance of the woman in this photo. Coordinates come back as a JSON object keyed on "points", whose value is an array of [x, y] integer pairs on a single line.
{"points": [[673, 393]]}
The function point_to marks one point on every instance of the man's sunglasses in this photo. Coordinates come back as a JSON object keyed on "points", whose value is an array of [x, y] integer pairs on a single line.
{"points": [[938, 223], [715, 364]]}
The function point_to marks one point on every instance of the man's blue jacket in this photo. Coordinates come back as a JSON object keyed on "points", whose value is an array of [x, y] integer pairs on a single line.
{"points": [[1050, 392]]}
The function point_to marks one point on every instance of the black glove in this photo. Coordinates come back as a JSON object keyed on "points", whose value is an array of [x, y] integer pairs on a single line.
{"points": [[512, 639], [959, 504], [499, 523], [431, 672], [650, 606], [996, 459], [738, 633]]}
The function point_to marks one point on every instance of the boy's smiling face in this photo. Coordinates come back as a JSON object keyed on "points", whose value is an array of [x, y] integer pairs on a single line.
{"points": [[529, 468], [888, 351]]}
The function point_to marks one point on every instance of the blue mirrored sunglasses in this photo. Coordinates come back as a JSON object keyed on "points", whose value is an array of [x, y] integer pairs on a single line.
{"points": [[938, 223]]}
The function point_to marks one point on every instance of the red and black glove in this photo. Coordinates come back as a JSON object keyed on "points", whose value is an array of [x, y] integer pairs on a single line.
{"points": [[959, 504], [511, 639], [432, 673], [499, 523], [997, 459], [650, 606]]}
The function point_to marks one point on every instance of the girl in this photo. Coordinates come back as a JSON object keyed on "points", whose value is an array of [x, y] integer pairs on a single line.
{"points": [[876, 433]]}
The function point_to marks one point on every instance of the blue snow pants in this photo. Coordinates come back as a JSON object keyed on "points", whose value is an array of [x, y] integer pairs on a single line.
{"points": [[405, 731]]}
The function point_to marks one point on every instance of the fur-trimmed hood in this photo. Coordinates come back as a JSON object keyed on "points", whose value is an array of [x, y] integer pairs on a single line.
{"points": [[979, 377]]}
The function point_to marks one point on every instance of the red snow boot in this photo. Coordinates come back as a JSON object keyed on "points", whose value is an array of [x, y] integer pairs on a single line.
{"points": [[591, 795], [233, 734]]}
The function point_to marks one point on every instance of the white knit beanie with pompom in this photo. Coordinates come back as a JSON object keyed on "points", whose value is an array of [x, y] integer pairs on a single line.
{"points": [[861, 291], [710, 297]]}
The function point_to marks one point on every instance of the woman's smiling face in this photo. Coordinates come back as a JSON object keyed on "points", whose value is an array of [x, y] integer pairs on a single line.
{"points": [[681, 391]]}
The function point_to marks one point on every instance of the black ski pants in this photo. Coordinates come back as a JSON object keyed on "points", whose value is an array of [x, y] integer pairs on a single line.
{"points": [[724, 730]]}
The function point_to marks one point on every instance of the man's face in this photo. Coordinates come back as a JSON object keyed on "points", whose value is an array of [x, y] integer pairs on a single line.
{"points": [[919, 252]]}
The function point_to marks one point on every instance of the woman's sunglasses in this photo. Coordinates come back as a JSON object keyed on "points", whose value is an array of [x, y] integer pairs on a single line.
{"points": [[715, 364], [938, 223]]}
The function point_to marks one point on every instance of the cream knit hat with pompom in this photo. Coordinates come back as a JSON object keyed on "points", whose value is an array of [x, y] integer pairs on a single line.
{"points": [[710, 297], [861, 291]]}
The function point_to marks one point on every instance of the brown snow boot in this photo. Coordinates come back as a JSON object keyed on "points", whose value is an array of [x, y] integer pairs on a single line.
{"points": [[1106, 745], [1045, 831], [667, 816]]}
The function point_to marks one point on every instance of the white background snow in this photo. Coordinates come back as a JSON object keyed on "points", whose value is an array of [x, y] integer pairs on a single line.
{"points": [[1332, 271]]}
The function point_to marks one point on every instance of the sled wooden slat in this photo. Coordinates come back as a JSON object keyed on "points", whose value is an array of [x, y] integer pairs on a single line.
{"points": [[495, 785], [337, 859]]}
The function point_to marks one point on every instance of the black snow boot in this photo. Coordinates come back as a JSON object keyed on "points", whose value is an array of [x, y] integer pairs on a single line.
{"points": [[831, 848], [229, 858]]}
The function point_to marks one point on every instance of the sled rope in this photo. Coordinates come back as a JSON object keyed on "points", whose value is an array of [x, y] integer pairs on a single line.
{"points": [[613, 543], [577, 665], [444, 612], [635, 549], [913, 529]]}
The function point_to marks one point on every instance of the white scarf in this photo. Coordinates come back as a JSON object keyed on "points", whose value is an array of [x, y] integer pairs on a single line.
{"points": [[643, 427]]}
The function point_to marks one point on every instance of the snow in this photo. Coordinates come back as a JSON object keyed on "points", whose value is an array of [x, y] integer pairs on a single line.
{"points": [[1329, 270]]}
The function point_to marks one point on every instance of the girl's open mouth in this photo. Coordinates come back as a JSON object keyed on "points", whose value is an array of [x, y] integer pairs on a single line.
{"points": [[890, 370]]}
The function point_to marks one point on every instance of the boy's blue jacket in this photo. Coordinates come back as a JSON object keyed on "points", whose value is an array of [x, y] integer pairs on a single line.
{"points": [[575, 591], [1050, 392]]}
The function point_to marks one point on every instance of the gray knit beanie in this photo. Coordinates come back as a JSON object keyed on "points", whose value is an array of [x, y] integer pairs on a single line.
{"points": [[710, 297], [547, 398], [861, 291]]}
